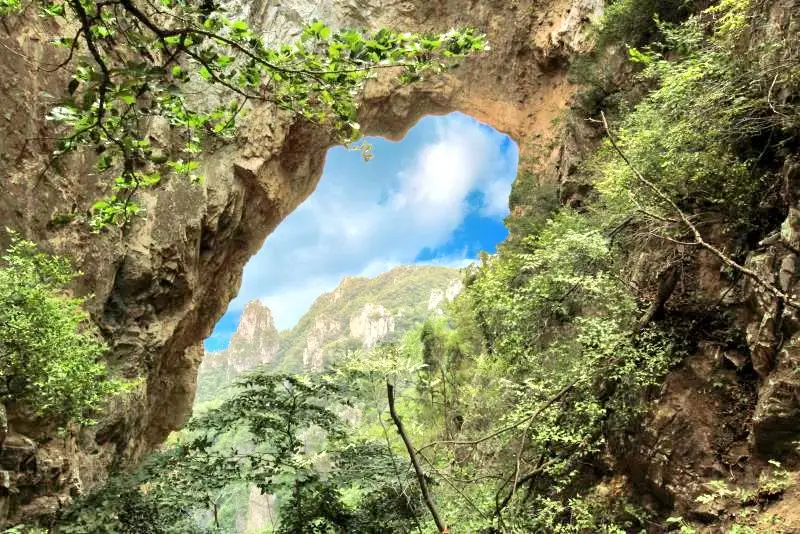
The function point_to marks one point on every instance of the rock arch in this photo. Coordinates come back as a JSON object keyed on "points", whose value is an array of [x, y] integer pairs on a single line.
{"points": [[160, 288]]}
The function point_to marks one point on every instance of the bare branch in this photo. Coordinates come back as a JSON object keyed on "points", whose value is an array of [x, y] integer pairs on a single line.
{"points": [[555, 398], [423, 486], [72, 48]]}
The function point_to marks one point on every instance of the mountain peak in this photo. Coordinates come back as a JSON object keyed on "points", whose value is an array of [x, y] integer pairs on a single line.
{"points": [[256, 321], [255, 342], [359, 313]]}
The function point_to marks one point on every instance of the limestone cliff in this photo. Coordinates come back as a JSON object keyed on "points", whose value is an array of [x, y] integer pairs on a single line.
{"points": [[371, 324], [360, 312], [438, 297], [255, 342]]}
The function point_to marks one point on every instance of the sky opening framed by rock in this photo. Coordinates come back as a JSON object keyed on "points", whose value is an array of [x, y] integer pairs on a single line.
{"points": [[438, 196]]}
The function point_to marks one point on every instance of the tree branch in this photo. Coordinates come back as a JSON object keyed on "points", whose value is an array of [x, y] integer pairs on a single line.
{"points": [[86, 25], [698, 238], [555, 398], [395, 468], [423, 486], [666, 287]]}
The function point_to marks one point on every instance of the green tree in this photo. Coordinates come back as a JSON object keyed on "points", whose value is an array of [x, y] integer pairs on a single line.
{"points": [[133, 60], [712, 130], [283, 434], [49, 351]]}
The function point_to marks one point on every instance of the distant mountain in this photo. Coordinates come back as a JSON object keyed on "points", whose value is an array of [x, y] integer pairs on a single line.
{"points": [[359, 313], [256, 342]]}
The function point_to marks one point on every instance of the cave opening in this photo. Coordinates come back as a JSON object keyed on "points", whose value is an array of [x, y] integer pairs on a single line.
{"points": [[437, 197]]}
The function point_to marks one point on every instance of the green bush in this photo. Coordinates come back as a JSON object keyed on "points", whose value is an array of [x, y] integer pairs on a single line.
{"points": [[49, 351], [635, 22], [707, 134]]}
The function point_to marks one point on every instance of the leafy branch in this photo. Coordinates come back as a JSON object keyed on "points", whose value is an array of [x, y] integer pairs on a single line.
{"points": [[697, 236], [133, 60]]}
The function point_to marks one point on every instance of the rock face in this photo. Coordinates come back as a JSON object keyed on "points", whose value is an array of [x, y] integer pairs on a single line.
{"points": [[439, 297], [323, 330], [260, 511], [160, 284], [254, 343], [256, 334], [359, 313], [371, 324]]}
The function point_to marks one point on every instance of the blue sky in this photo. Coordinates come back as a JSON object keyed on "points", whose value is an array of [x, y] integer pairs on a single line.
{"points": [[438, 196]]}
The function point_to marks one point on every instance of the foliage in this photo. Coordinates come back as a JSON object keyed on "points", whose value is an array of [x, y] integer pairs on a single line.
{"points": [[636, 22], [555, 316], [295, 449], [532, 201], [773, 481], [49, 351], [133, 61], [624, 23], [709, 131], [403, 291], [8, 6]]}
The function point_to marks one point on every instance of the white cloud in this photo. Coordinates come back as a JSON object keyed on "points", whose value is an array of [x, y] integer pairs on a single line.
{"points": [[496, 199], [364, 219]]}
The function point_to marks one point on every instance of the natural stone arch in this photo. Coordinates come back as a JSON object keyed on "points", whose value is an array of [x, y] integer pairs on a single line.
{"points": [[162, 284]]}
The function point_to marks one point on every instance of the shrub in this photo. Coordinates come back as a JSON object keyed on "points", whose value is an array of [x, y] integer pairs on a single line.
{"points": [[49, 352]]}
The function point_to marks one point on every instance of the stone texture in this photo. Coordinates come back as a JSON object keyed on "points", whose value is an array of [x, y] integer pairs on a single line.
{"points": [[371, 324], [440, 296], [261, 511], [18, 453], [254, 343], [776, 422], [694, 433], [323, 330]]}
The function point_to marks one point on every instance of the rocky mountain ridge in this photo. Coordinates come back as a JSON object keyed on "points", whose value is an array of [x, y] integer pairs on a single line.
{"points": [[358, 313], [255, 342]]}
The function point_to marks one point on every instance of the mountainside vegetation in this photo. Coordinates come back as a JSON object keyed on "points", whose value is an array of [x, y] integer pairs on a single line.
{"points": [[626, 362], [50, 356], [404, 296], [403, 291]]}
